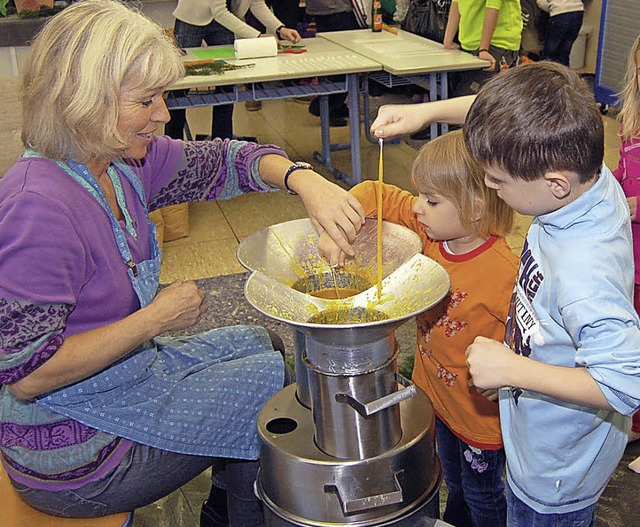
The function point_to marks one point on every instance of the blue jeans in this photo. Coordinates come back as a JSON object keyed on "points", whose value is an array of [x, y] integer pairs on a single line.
{"points": [[521, 515], [474, 479], [562, 32], [189, 36], [147, 474]]}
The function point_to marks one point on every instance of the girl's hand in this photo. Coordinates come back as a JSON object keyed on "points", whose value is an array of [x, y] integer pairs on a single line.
{"points": [[633, 207], [331, 251], [331, 208], [178, 306], [290, 34]]}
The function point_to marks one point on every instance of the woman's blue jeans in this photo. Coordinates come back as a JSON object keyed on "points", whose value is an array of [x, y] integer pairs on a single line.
{"points": [[146, 475], [474, 479]]}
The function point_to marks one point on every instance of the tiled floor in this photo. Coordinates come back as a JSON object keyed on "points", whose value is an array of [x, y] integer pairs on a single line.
{"points": [[217, 228]]}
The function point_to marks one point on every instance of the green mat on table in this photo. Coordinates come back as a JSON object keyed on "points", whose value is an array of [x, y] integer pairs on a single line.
{"points": [[214, 53]]}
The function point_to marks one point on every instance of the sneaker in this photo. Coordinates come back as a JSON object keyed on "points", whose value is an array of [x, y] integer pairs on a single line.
{"points": [[210, 518], [253, 106]]}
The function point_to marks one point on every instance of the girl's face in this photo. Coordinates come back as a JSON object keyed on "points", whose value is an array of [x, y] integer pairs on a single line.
{"points": [[140, 113], [439, 217]]}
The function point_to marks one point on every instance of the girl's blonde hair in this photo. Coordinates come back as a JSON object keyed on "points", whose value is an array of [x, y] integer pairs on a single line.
{"points": [[75, 71], [445, 168], [630, 96]]}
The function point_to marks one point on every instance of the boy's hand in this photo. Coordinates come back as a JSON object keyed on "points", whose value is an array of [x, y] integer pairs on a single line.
{"points": [[489, 363]]}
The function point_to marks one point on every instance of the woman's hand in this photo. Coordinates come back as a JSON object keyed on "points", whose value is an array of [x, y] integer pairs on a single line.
{"points": [[178, 306], [290, 34]]}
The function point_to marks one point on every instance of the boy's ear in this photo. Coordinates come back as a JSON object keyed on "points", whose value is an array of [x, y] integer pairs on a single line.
{"points": [[559, 184]]}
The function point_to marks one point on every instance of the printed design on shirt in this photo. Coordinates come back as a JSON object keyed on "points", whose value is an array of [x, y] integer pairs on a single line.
{"points": [[523, 325], [475, 457], [451, 328]]}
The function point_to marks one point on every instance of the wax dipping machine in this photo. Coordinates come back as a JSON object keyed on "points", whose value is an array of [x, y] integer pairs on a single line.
{"points": [[352, 442]]}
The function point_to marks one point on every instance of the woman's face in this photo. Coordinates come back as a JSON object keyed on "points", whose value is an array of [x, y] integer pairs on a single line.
{"points": [[140, 113]]}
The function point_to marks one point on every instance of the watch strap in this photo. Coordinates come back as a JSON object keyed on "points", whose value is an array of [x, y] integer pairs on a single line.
{"points": [[291, 170]]}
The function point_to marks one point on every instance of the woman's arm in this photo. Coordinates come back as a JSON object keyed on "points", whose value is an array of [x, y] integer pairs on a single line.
{"points": [[400, 119], [331, 208], [176, 307]]}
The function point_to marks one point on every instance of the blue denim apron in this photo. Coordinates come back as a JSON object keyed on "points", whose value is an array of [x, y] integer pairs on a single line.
{"points": [[196, 395]]}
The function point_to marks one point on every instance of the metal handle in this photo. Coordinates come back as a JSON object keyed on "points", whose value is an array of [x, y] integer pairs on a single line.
{"points": [[351, 504], [367, 409]]}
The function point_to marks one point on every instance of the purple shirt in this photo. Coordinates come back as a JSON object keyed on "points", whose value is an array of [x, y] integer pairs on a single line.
{"points": [[61, 274]]}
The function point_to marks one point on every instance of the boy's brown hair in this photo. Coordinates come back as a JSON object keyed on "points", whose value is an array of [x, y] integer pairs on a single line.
{"points": [[444, 167], [534, 119]]}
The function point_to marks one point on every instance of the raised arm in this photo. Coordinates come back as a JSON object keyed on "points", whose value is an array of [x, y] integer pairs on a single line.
{"points": [[401, 119]]}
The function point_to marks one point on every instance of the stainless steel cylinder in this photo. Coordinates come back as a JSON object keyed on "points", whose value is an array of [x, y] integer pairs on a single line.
{"points": [[302, 377], [349, 424]]}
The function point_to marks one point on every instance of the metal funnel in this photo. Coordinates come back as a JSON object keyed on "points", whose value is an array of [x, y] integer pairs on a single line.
{"points": [[288, 251], [413, 287]]}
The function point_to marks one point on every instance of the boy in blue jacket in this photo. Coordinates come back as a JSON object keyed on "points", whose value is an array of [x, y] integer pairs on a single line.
{"points": [[569, 375]]}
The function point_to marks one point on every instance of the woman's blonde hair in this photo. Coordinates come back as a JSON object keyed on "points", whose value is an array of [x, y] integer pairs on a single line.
{"points": [[630, 96], [445, 168], [75, 71]]}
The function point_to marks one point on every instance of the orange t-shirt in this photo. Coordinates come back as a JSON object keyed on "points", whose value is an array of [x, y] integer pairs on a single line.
{"points": [[482, 283]]}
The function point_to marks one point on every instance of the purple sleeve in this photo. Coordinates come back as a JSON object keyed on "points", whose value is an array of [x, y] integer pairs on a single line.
{"points": [[203, 170]]}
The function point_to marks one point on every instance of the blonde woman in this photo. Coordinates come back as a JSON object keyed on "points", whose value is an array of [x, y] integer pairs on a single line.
{"points": [[99, 413]]}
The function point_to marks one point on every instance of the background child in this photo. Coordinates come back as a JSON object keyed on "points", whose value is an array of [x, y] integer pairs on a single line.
{"points": [[576, 366], [462, 224], [628, 174], [492, 29], [563, 27]]}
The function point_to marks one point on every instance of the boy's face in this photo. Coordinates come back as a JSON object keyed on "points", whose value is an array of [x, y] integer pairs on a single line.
{"points": [[531, 198]]}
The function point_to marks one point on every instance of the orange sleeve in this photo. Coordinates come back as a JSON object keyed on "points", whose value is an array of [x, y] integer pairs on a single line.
{"points": [[397, 204]]}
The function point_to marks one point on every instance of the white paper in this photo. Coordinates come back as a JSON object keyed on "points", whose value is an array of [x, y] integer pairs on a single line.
{"points": [[253, 48]]}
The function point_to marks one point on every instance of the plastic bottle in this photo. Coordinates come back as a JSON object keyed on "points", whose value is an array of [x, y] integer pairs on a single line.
{"points": [[376, 16]]}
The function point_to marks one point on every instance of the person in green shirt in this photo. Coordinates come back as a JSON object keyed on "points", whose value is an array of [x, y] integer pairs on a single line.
{"points": [[490, 29]]}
